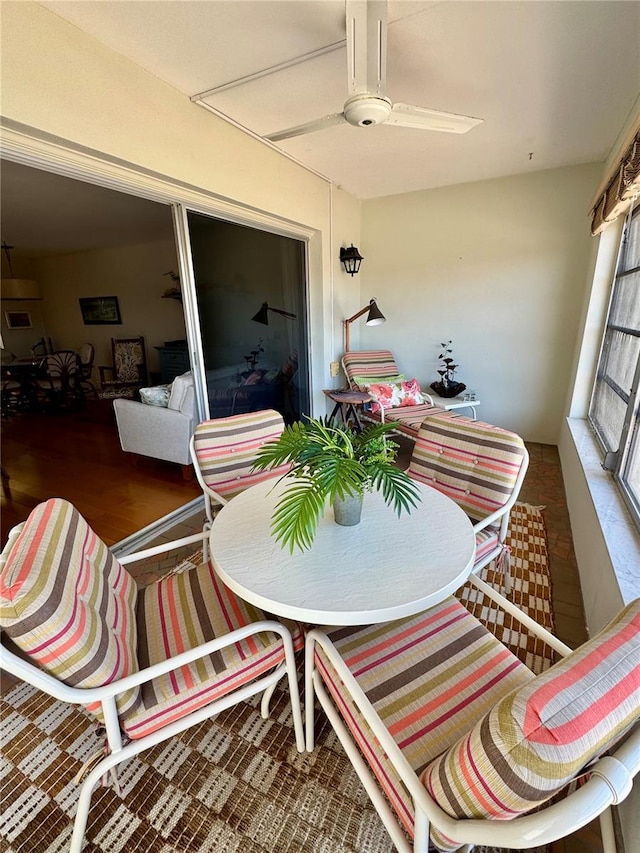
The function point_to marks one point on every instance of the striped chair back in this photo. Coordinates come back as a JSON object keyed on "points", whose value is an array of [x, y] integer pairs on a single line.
{"points": [[370, 363], [224, 450], [545, 733], [68, 603], [474, 463]]}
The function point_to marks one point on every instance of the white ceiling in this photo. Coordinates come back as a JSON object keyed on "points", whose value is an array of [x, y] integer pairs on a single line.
{"points": [[553, 80]]}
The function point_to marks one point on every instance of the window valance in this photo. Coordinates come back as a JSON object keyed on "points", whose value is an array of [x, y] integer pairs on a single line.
{"points": [[622, 186]]}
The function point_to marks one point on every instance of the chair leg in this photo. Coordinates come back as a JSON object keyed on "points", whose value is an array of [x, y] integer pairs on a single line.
{"points": [[206, 528], [607, 832], [309, 694], [294, 695], [266, 699]]}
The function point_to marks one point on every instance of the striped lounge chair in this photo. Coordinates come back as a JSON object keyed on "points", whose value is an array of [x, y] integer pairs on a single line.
{"points": [[370, 365], [481, 467], [223, 451], [458, 743], [149, 662]]}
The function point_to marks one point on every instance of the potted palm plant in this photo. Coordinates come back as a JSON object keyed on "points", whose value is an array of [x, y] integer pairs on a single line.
{"points": [[331, 463]]}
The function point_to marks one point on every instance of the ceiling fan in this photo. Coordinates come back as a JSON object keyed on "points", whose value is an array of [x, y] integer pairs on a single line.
{"points": [[367, 104]]}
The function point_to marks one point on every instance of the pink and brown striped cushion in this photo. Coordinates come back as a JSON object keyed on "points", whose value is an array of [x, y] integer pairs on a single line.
{"points": [[474, 463], [185, 610], [226, 450], [429, 678], [409, 419], [541, 736], [375, 363], [68, 603]]}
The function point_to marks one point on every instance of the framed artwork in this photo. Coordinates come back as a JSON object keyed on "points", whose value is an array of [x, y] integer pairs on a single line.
{"points": [[100, 311], [18, 319]]}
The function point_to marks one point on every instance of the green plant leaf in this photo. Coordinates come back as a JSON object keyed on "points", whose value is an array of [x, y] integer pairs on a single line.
{"points": [[295, 519], [330, 460]]}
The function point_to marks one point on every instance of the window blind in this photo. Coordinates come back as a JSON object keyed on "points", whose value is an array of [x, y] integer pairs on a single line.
{"points": [[622, 186]]}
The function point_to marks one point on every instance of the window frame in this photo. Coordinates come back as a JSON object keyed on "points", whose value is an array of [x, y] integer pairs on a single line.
{"points": [[618, 461]]}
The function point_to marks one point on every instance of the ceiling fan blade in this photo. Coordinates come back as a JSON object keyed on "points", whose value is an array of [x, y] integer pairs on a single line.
{"points": [[309, 127], [406, 115], [367, 46]]}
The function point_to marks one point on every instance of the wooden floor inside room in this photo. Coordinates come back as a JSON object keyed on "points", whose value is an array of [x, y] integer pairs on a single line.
{"points": [[76, 455]]}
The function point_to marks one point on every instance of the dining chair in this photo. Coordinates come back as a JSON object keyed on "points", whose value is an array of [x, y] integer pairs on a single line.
{"points": [[42, 347], [128, 372], [458, 743], [479, 466], [59, 386], [86, 354], [224, 450], [147, 662]]}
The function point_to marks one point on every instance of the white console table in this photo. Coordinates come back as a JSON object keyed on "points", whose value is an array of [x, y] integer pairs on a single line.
{"points": [[450, 403]]}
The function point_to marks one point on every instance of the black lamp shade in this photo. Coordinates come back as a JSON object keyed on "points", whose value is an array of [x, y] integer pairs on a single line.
{"points": [[375, 315], [351, 258], [263, 315]]}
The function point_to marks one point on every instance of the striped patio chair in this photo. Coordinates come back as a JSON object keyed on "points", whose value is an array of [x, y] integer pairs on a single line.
{"points": [[147, 662], [481, 467], [458, 743], [368, 367], [223, 451]]}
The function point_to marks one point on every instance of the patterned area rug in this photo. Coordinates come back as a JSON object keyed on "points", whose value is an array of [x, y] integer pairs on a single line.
{"points": [[530, 589], [233, 785]]}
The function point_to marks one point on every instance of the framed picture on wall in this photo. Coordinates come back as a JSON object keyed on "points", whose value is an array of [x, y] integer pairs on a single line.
{"points": [[18, 319], [100, 311]]}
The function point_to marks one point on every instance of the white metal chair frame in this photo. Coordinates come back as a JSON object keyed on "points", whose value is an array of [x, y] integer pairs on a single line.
{"points": [[106, 694], [502, 515], [210, 495], [611, 777]]}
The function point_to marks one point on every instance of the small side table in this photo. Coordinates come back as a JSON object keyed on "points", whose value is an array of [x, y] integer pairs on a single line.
{"points": [[346, 403], [450, 403]]}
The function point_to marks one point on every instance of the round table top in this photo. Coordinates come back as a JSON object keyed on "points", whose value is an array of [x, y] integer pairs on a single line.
{"points": [[382, 569]]}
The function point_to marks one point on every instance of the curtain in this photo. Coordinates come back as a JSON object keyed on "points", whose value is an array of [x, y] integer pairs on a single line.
{"points": [[623, 185]]}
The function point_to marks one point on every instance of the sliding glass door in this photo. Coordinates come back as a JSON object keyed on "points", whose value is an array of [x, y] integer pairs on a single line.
{"points": [[252, 306]]}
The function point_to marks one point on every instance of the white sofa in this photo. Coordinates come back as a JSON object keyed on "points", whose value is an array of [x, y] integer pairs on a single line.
{"points": [[162, 432]]}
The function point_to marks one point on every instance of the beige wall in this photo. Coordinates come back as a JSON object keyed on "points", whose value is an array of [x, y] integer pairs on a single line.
{"points": [[499, 268], [135, 274]]}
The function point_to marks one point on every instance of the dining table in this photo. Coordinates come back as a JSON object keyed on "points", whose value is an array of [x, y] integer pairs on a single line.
{"points": [[384, 568], [24, 372]]}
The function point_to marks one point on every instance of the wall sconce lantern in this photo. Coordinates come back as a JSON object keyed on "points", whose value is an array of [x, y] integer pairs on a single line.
{"points": [[351, 258]]}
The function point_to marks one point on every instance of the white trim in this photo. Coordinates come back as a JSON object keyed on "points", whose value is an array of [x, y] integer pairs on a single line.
{"points": [[272, 69], [32, 147], [618, 530], [254, 135], [140, 538]]}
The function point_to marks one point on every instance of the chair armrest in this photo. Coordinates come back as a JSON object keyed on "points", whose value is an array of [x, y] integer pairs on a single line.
{"points": [[30, 672], [163, 548], [102, 368], [508, 606]]}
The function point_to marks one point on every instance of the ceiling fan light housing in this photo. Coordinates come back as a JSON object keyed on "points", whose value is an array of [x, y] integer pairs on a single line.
{"points": [[367, 110]]}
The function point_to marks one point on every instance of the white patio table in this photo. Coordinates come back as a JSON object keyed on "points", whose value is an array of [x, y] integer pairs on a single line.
{"points": [[381, 569]]}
